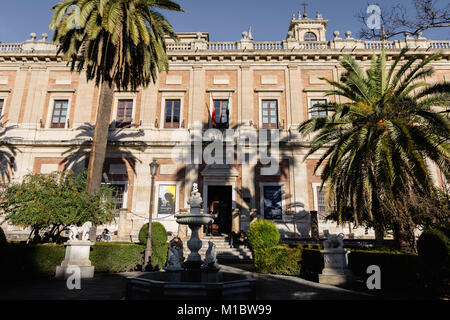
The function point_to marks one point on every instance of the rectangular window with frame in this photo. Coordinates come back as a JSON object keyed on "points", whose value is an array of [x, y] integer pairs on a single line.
{"points": [[272, 199], [172, 115], [166, 199], [59, 115], [124, 113], [317, 113], [269, 114], [118, 196], [221, 113], [321, 204]]}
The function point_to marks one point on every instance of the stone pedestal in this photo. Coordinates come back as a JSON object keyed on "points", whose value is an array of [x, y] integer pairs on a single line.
{"points": [[336, 270], [194, 244], [77, 255]]}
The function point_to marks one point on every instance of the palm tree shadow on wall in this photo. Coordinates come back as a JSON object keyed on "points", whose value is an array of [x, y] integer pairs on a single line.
{"points": [[295, 212], [8, 153], [76, 156]]}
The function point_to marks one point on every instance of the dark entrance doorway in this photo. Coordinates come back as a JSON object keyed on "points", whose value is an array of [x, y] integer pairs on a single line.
{"points": [[220, 202]]}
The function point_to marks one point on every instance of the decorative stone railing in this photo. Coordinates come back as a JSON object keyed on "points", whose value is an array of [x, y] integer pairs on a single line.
{"points": [[179, 46], [222, 46], [379, 45], [268, 45], [10, 47], [43, 46], [440, 44], [314, 45]]}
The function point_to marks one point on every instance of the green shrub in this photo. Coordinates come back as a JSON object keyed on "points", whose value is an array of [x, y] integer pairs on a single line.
{"points": [[159, 243], [398, 270], [433, 247], [283, 259], [278, 260], [263, 234], [111, 257], [24, 261]]}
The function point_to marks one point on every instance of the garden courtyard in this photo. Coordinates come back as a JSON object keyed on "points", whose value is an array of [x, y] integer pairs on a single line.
{"points": [[317, 136]]}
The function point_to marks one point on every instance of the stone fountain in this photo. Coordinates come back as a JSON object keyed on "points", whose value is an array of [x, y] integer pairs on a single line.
{"points": [[195, 278], [195, 220]]}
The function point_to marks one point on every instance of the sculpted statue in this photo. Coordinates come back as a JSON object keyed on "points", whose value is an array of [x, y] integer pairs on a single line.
{"points": [[84, 230], [333, 240], [195, 200], [211, 256], [173, 260]]}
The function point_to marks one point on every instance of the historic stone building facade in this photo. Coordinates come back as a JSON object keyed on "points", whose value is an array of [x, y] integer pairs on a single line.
{"points": [[47, 113]]}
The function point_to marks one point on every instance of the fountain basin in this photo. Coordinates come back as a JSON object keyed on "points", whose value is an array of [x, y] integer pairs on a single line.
{"points": [[167, 285], [194, 219]]}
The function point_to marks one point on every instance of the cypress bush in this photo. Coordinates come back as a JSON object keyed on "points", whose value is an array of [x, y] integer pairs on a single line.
{"points": [[263, 234], [160, 245]]}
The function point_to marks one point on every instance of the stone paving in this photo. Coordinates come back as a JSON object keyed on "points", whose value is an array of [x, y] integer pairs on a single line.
{"points": [[112, 287]]}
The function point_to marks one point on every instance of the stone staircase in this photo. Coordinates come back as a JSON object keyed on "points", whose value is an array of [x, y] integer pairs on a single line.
{"points": [[225, 254]]}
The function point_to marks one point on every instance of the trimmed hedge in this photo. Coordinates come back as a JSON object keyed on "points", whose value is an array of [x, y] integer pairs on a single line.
{"points": [[278, 260], [160, 246], [285, 260], [110, 257], [398, 270], [263, 234], [24, 261]]}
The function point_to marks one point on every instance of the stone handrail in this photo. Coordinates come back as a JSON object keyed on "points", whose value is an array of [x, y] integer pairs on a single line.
{"points": [[314, 45], [440, 44], [379, 44], [222, 46], [245, 44], [10, 47], [268, 45], [179, 47]]}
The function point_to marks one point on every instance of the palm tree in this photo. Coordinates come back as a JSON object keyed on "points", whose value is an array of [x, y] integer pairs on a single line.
{"points": [[118, 44], [378, 143]]}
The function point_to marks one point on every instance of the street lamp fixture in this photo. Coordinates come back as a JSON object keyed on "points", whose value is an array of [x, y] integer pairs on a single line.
{"points": [[148, 249], [154, 168]]}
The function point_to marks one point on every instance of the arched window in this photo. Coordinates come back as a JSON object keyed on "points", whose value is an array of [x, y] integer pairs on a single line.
{"points": [[310, 36]]}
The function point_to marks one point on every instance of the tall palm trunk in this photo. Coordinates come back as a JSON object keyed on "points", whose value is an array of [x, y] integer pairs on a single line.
{"points": [[404, 235], [99, 144]]}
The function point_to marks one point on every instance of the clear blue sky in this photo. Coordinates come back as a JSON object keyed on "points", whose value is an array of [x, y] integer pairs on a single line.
{"points": [[223, 19]]}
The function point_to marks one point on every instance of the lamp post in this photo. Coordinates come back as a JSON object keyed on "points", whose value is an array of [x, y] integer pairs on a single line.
{"points": [[148, 249]]}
